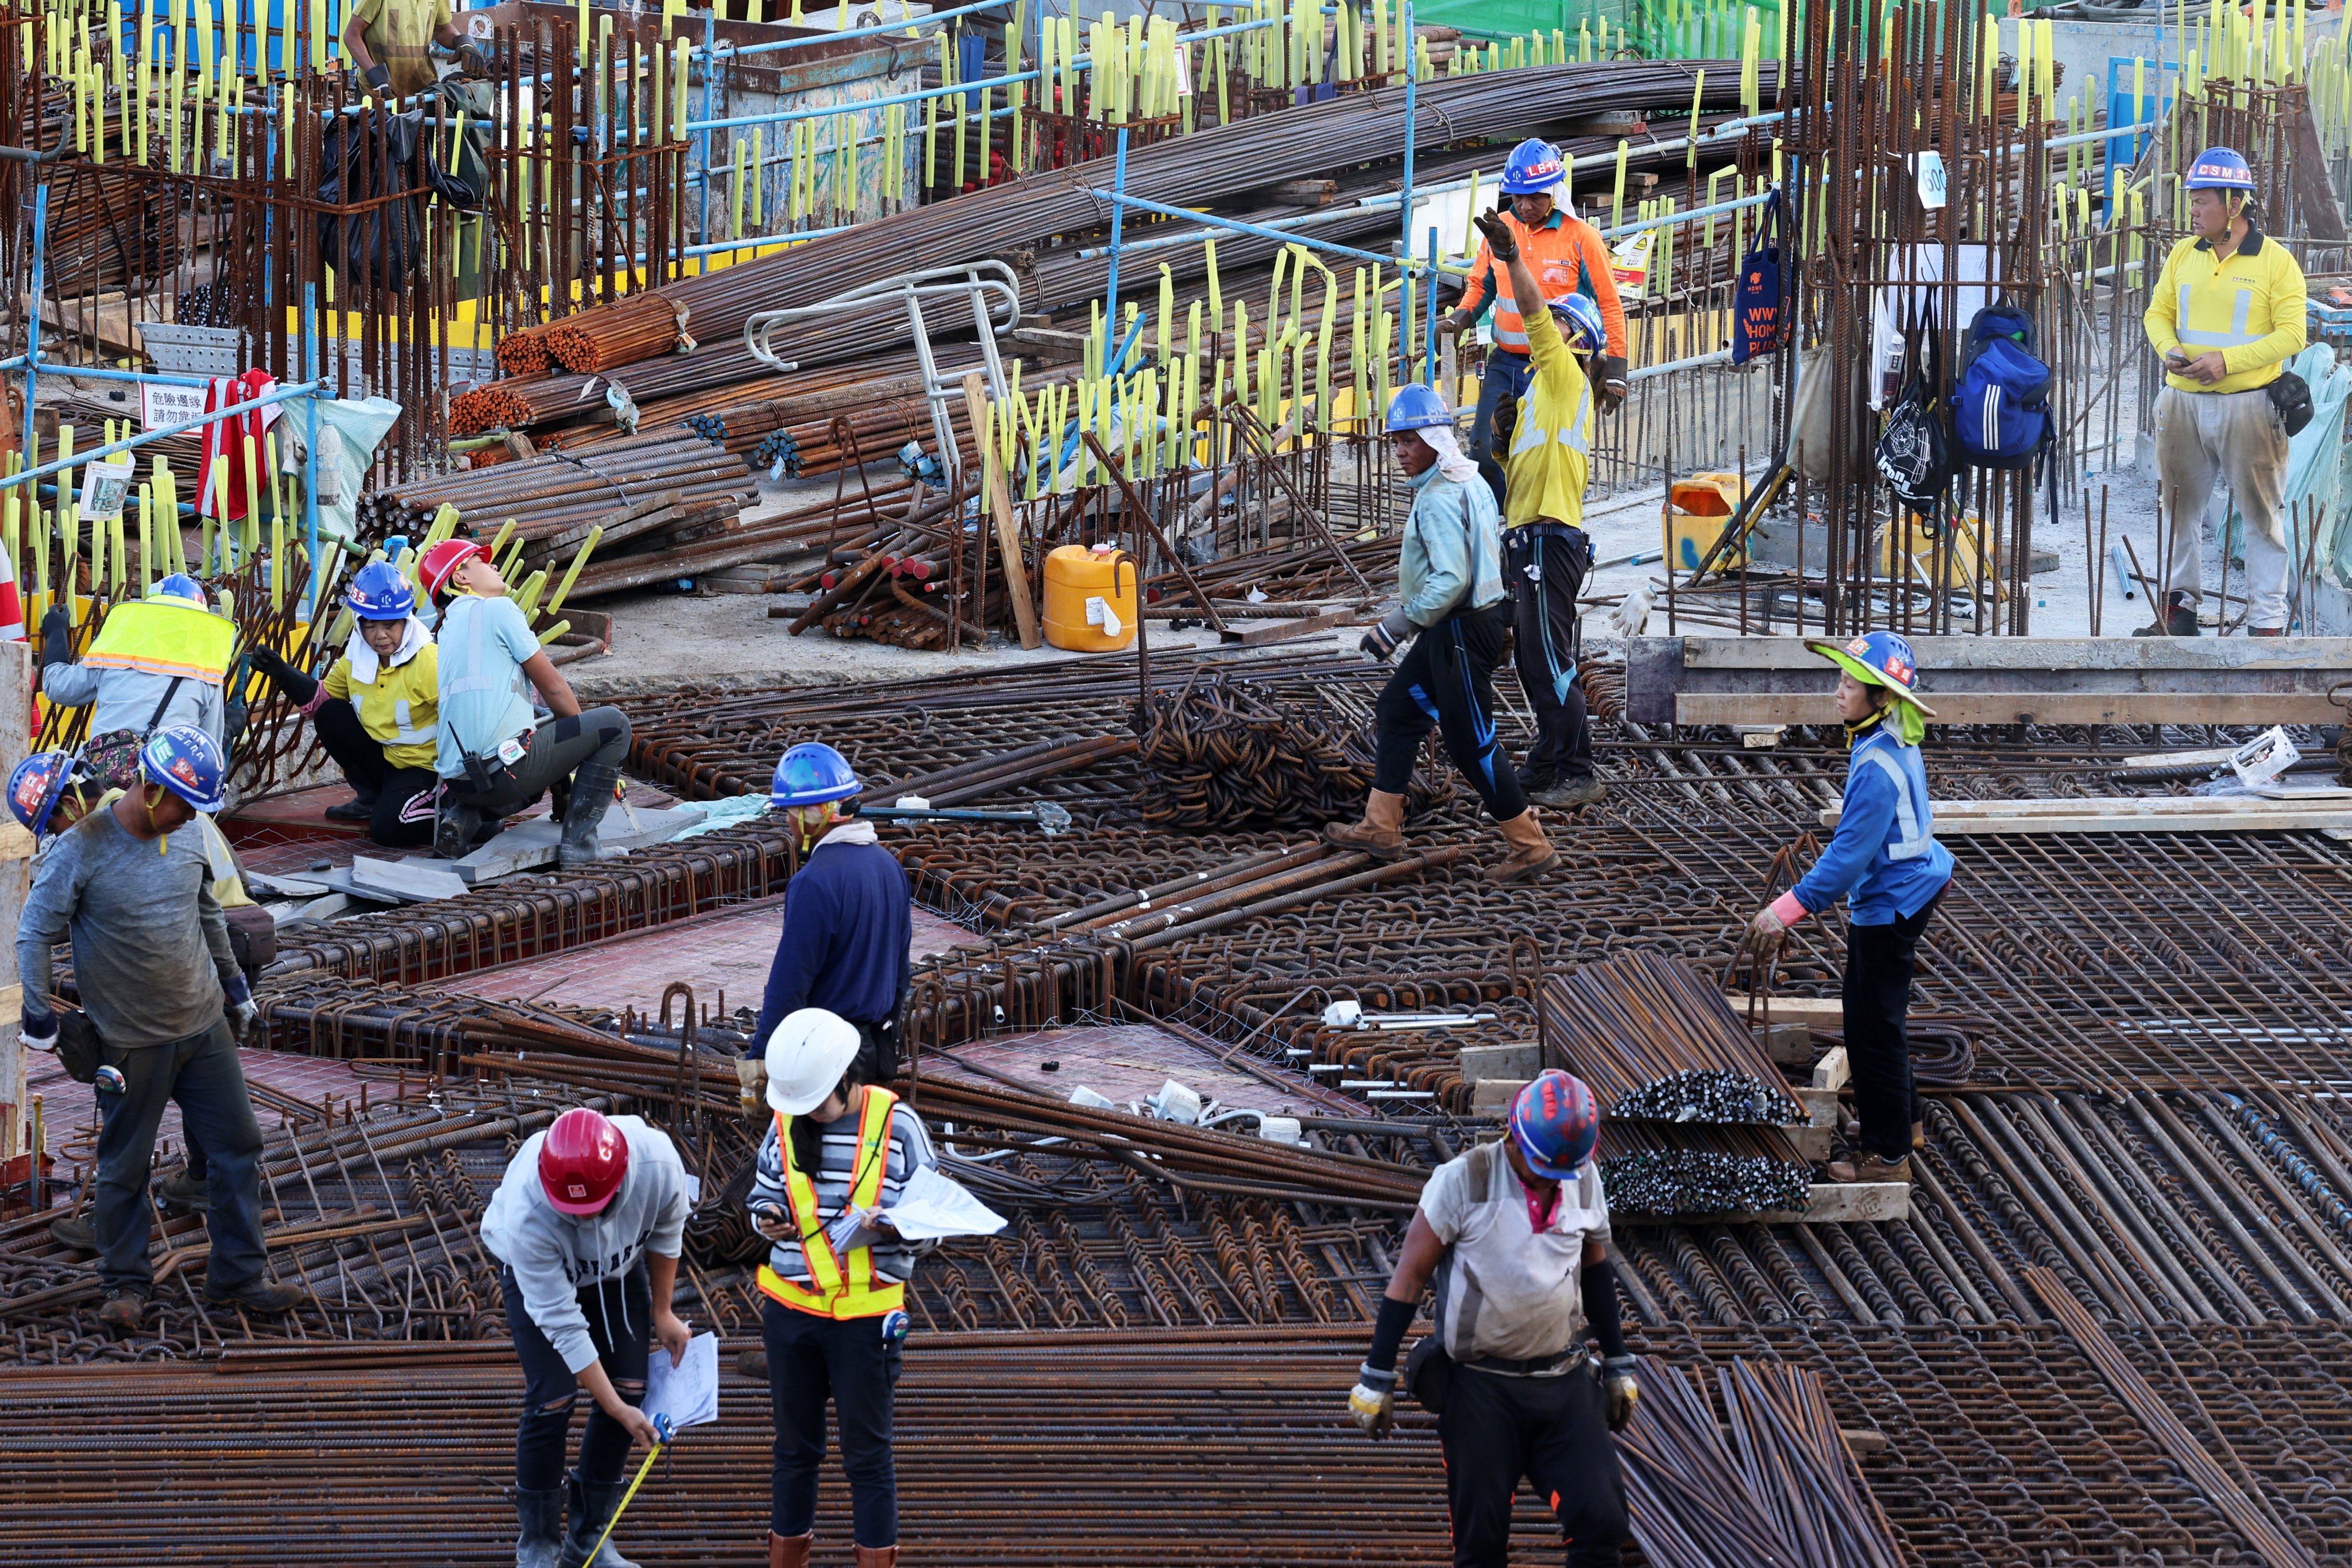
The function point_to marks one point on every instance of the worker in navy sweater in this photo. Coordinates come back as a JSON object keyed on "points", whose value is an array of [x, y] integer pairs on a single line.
{"points": [[1885, 859], [849, 914]]}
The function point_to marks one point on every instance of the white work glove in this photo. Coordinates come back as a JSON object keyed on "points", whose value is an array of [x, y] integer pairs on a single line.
{"points": [[1382, 641], [1372, 1402], [1767, 933], [39, 1032], [1624, 1392], [242, 1017], [47, 1042]]}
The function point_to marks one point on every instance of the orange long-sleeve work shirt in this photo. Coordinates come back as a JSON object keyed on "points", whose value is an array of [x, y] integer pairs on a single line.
{"points": [[1564, 253]]}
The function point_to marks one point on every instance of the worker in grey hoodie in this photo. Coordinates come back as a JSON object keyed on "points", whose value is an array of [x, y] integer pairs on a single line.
{"points": [[589, 1222]]}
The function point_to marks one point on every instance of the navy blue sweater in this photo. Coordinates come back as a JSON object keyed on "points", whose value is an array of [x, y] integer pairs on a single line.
{"points": [[848, 922]]}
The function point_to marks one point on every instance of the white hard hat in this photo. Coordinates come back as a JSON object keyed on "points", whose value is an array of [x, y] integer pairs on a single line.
{"points": [[806, 1056]]}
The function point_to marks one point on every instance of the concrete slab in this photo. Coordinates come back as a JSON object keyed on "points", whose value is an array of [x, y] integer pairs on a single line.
{"points": [[1124, 1063], [530, 844]]}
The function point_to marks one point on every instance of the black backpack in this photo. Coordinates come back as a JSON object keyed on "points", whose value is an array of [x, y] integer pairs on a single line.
{"points": [[1915, 455]]}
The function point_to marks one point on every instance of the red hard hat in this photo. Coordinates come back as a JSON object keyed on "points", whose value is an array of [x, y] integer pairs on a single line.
{"points": [[444, 559], [583, 1162]]}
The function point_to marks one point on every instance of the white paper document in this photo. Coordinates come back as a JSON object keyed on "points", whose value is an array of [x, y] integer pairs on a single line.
{"points": [[936, 1205], [688, 1392]]}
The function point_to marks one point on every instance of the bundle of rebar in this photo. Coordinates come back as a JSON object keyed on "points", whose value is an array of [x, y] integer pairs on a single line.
{"points": [[1657, 1042], [1223, 753], [1668, 1172], [637, 328], [1774, 1486]]}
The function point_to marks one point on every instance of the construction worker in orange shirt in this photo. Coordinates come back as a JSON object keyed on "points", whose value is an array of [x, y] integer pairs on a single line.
{"points": [[1567, 256]]}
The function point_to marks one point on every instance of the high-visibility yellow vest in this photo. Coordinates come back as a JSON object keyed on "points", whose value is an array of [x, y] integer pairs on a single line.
{"points": [[164, 637], [837, 1289]]}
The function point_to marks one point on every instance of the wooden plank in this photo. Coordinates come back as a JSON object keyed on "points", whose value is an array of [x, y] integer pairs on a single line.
{"points": [[2023, 708], [1008, 534], [1940, 656], [2123, 806], [1815, 1012], [2218, 822], [1283, 631], [1847, 1203], [1831, 1071]]}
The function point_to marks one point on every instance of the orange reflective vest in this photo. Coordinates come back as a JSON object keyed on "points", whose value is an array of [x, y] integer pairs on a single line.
{"points": [[1565, 253], [836, 1288]]}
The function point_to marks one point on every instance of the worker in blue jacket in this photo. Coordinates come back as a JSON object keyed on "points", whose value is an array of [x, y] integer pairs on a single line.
{"points": [[1457, 612], [1885, 860], [849, 913]]}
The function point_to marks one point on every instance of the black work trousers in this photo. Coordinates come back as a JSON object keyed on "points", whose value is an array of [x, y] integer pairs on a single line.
{"points": [[1876, 992], [1552, 1430], [812, 1360], [403, 796], [620, 1314], [201, 1075], [1446, 681], [1545, 564]]}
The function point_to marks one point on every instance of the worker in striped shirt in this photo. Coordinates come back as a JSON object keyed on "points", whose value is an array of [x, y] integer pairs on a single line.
{"points": [[838, 1152]]}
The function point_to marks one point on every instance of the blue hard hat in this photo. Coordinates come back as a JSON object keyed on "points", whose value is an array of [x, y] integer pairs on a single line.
{"points": [[35, 785], [1417, 407], [1534, 169], [180, 585], [1877, 658], [1580, 322], [379, 593], [186, 760], [2220, 169], [812, 774], [1556, 1124]]}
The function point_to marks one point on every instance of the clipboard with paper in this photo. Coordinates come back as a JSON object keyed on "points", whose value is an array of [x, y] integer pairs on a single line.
{"points": [[931, 1206]]}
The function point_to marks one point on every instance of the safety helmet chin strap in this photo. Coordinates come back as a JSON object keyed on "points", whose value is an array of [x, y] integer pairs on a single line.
{"points": [[813, 820]]}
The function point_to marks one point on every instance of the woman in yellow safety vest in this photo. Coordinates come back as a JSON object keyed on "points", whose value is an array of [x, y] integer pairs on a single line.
{"points": [[837, 1154]]}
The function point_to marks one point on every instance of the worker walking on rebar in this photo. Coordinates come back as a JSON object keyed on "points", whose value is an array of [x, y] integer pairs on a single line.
{"points": [[1546, 553], [378, 709], [1450, 570], [849, 913], [588, 1223], [495, 757], [1568, 256], [159, 983], [837, 1154], [2227, 312], [1515, 1235], [1885, 858]]}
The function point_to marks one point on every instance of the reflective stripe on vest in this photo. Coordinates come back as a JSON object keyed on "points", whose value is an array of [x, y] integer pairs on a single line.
{"points": [[1576, 435], [403, 733], [835, 1290], [2241, 315], [1916, 839], [477, 652], [165, 636]]}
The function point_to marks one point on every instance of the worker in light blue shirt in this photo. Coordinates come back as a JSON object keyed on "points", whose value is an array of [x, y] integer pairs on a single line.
{"points": [[1457, 613], [1886, 862]]}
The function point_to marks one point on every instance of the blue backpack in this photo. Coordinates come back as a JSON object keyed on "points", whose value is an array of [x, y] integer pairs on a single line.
{"points": [[2001, 404]]}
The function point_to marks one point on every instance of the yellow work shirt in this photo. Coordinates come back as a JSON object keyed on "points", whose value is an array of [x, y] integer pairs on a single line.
{"points": [[400, 36], [2252, 307], [401, 708], [1551, 449]]}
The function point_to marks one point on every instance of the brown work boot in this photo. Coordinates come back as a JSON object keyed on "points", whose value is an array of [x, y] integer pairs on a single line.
{"points": [[790, 1551], [2179, 620], [1381, 832], [75, 1231], [123, 1310], [877, 1557], [264, 1296], [1870, 1168], [1531, 852]]}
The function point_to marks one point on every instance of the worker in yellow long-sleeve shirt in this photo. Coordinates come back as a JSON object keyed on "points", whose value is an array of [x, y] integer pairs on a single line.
{"points": [[1546, 555], [2227, 312]]}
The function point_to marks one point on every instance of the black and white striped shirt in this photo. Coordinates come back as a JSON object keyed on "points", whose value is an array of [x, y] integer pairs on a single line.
{"points": [[908, 1149]]}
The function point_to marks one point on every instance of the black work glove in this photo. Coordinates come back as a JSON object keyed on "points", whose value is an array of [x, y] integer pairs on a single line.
{"points": [[1500, 240], [301, 688], [473, 62], [1613, 385], [57, 636], [379, 76]]}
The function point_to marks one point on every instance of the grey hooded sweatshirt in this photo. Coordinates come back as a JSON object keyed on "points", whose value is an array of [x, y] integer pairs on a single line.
{"points": [[556, 1256]]}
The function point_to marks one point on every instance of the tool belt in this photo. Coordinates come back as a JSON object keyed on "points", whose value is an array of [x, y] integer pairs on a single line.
{"points": [[488, 775], [1568, 1361], [79, 1051]]}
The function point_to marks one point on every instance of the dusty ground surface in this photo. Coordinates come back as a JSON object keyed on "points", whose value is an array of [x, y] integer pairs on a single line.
{"points": [[666, 640]]}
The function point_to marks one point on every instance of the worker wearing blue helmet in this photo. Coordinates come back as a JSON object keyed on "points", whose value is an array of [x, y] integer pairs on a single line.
{"points": [[163, 1003], [1886, 861], [1458, 616], [376, 709], [849, 912], [2226, 313]]}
